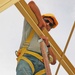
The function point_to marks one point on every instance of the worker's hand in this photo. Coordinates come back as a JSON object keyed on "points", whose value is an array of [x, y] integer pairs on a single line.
{"points": [[45, 40], [42, 24]]}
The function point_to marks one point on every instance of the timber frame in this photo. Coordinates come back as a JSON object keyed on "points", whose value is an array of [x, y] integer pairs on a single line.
{"points": [[30, 17]]}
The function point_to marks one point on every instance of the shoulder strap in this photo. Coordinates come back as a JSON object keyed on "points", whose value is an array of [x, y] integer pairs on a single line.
{"points": [[30, 36], [26, 43]]}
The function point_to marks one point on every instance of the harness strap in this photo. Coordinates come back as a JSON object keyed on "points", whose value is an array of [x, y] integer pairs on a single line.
{"points": [[35, 55], [41, 72], [29, 62], [24, 51], [29, 38], [21, 57]]}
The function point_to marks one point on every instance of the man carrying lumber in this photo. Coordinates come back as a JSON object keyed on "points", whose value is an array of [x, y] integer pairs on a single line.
{"points": [[30, 60]]}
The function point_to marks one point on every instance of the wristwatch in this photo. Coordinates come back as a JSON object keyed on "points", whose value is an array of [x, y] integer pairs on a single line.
{"points": [[48, 45]]}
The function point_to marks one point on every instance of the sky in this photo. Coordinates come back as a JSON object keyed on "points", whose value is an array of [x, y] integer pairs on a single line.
{"points": [[11, 25]]}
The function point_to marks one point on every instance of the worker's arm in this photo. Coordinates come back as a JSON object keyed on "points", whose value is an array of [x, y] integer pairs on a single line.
{"points": [[52, 54], [37, 13], [49, 49]]}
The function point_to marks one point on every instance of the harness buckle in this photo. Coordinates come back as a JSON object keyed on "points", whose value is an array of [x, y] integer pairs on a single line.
{"points": [[26, 44]]}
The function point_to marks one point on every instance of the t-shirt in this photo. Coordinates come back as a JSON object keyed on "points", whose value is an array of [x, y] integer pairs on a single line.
{"points": [[34, 44]]}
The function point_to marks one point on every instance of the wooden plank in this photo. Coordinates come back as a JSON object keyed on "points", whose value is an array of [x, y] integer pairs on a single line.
{"points": [[4, 4], [26, 12]]}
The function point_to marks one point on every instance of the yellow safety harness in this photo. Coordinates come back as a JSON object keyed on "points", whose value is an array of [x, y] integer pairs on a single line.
{"points": [[24, 50]]}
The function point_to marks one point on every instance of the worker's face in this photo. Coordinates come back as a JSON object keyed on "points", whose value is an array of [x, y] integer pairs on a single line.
{"points": [[49, 23]]}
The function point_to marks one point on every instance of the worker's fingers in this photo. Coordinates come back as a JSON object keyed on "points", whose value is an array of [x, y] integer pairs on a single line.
{"points": [[42, 24]]}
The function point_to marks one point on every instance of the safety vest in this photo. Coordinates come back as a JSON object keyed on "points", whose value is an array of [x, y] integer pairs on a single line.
{"points": [[24, 50]]}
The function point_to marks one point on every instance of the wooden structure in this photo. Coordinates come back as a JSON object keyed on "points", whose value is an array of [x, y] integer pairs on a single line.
{"points": [[28, 14]]}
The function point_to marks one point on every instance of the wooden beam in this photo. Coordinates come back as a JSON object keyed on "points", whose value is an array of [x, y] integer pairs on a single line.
{"points": [[4, 4]]}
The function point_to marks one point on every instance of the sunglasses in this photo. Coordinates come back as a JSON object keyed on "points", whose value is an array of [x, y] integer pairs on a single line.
{"points": [[47, 21]]}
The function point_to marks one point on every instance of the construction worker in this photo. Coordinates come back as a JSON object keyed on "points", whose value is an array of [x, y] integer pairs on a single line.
{"points": [[30, 60]]}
